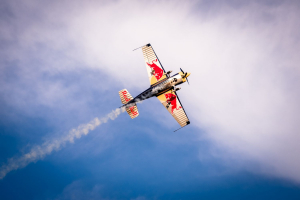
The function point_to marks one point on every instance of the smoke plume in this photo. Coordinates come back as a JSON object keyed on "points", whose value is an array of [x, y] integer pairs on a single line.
{"points": [[40, 151]]}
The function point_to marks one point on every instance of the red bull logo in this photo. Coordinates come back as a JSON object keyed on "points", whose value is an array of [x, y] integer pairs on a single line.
{"points": [[134, 113], [157, 71], [125, 95], [172, 101]]}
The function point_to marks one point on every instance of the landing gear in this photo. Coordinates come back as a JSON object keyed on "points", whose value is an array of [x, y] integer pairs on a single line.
{"points": [[175, 89]]}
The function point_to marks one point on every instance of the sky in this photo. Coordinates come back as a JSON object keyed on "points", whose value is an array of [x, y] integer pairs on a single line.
{"points": [[62, 64]]}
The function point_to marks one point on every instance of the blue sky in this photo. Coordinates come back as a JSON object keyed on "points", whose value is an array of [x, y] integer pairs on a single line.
{"points": [[63, 63]]}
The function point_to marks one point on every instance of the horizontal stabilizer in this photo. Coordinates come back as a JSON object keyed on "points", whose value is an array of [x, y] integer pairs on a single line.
{"points": [[133, 111], [125, 96]]}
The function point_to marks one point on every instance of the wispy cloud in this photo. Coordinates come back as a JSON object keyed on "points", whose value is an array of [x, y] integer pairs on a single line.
{"points": [[40, 151], [77, 191]]}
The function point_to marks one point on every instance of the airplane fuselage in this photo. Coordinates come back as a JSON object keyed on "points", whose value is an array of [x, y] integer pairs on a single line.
{"points": [[157, 89]]}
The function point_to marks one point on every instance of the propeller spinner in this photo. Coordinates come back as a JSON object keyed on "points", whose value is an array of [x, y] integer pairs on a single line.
{"points": [[185, 75]]}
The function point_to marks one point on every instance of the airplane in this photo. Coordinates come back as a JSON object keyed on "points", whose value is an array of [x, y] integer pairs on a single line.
{"points": [[162, 86]]}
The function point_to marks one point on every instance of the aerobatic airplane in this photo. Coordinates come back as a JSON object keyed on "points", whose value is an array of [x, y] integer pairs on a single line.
{"points": [[162, 86]]}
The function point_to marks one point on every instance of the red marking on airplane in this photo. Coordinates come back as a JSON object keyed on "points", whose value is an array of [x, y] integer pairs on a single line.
{"points": [[125, 95], [158, 72], [134, 113], [171, 99]]}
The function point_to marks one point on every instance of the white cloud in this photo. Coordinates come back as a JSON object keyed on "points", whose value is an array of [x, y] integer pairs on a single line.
{"points": [[244, 87]]}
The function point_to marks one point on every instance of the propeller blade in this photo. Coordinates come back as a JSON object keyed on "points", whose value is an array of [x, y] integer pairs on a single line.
{"points": [[185, 74]]}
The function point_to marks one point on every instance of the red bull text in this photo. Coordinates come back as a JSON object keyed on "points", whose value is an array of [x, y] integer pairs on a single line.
{"points": [[125, 95], [134, 113]]}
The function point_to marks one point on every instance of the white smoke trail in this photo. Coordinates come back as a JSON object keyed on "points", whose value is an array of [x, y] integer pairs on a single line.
{"points": [[40, 151]]}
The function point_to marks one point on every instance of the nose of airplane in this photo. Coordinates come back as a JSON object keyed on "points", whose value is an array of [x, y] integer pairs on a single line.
{"points": [[187, 74]]}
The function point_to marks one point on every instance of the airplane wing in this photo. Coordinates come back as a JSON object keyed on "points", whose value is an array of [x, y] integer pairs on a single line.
{"points": [[172, 103], [154, 68]]}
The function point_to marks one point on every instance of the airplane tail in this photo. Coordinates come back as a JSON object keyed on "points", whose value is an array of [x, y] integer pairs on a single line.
{"points": [[126, 97]]}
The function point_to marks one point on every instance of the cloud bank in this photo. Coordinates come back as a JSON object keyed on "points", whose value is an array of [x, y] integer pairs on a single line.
{"points": [[244, 59]]}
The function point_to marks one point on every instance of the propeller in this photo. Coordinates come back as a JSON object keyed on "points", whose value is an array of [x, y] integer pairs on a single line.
{"points": [[185, 75]]}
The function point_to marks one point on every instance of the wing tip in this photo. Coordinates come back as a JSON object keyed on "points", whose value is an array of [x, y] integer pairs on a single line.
{"points": [[148, 45], [187, 123]]}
